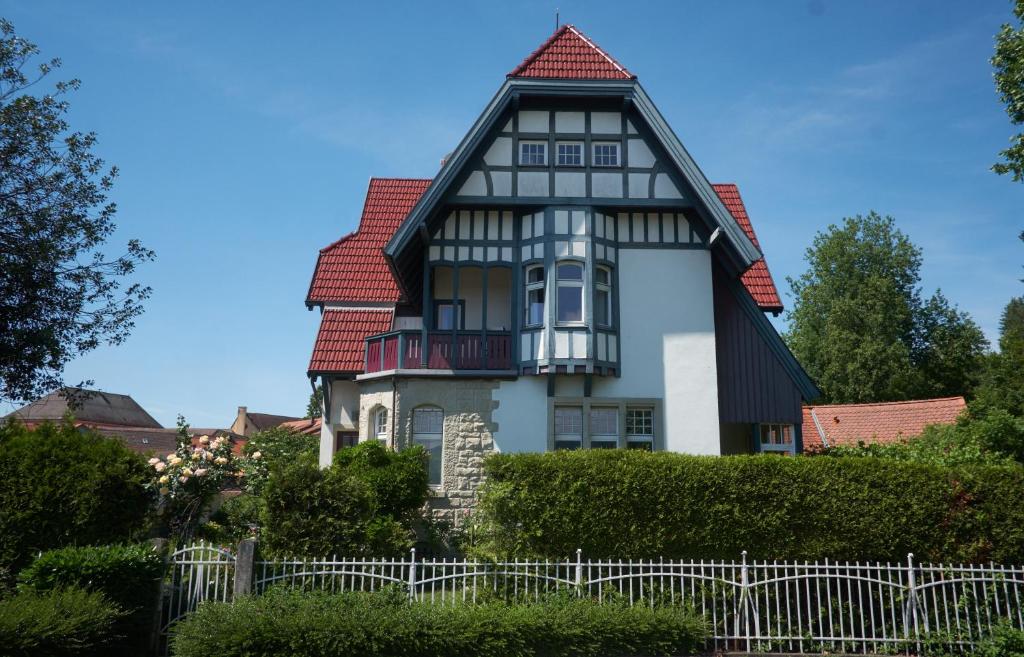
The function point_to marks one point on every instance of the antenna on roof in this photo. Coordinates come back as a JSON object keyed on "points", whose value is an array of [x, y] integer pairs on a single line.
{"points": [[556, 19]]}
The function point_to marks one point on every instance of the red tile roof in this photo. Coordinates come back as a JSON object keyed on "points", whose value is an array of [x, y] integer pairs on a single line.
{"points": [[353, 268], [757, 279], [886, 422], [569, 55], [339, 343]]}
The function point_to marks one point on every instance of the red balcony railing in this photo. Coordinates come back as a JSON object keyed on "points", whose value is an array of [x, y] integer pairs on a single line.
{"points": [[465, 350]]}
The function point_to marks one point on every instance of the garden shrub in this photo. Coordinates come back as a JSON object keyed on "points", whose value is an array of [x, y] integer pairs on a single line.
{"points": [[275, 448], [1004, 641], [626, 504], [127, 575], [61, 486], [61, 623], [399, 479], [320, 624], [237, 518]]}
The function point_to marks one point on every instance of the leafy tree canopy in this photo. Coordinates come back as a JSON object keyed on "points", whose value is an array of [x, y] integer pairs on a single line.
{"points": [[61, 295], [861, 329], [1008, 63], [316, 403]]}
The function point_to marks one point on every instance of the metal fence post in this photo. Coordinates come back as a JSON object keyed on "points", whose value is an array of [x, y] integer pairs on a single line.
{"points": [[579, 572], [412, 575], [911, 612], [244, 561], [744, 618], [160, 547]]}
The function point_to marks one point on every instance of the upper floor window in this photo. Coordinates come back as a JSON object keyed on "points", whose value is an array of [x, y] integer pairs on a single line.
{"points": [[380, 425], [569, 300], [777, 438], [640, 428], [533, 153], [568, 427], [534, 295], [448, 315], [606, 154], [428, 431], [603, 296], [570, 154]]}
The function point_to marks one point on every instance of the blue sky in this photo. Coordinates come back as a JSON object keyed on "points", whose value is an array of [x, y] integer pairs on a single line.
{"points": [[232, 126]]}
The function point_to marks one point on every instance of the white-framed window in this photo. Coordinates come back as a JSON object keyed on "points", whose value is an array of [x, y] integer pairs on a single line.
{"points": [[604, 427], [640, 428], [569, 292], [428, 431], [568, 427], [533, 153], [534, 295], [570, 153], [380, 425], [606, 154], [777, 438], [603, 296]]}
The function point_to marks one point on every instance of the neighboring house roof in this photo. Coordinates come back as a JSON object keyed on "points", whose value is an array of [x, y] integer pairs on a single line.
{"points": [[306, 426], [141, 439], [757, 279], [339, 343], [569, 55], [91, 407], [264, 421], [353, 268], [885, 422]]}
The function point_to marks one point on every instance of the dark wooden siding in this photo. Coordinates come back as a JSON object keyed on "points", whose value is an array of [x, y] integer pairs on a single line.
{"points": [[753, 386]]}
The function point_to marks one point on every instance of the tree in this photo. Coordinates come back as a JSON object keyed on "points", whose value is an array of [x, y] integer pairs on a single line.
{"points": [[859, 325], [61, 295], [314, 408], [1008, 63], [1002, 387]]}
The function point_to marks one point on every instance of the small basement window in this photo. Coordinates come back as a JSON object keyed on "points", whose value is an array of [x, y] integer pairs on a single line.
{"points": [[570, 154], [606, 154], [533, 153]]}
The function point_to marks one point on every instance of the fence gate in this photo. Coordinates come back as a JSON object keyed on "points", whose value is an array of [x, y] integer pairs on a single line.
{"points": [[197, 573]]}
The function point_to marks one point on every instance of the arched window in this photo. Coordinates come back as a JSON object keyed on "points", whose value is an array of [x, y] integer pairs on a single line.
{"points": [[534, 295], [569, 298], [380, 425], [428, 431], [603, 296]]}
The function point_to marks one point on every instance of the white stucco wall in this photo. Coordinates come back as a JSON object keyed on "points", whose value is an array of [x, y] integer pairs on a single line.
{"points": [[667, 343], [344, 406], [521, 415]]}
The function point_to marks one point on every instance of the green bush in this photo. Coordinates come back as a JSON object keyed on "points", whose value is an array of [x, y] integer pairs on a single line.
{"points": [[62, 623], [399, 479], [127, 575], [322, 625], [61, 486], [1005, 641], [277, 448], [237, 518], [635, 505]]}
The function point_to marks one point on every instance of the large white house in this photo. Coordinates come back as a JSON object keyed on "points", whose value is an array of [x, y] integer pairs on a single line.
{"points": [[568, 280]]}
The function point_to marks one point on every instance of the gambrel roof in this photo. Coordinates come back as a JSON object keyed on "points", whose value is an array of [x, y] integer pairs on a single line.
{"points": [[569, 55]]}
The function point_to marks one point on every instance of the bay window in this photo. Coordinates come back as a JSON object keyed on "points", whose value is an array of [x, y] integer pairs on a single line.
{"points": [[569, 298], [603, 296], [534, 295]]}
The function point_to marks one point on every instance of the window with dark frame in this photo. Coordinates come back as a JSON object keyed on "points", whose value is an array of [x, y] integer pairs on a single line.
{"points": [[534, 295], [603, 296], [640, 428], [569, 290], [777, 438], [428, 432]]}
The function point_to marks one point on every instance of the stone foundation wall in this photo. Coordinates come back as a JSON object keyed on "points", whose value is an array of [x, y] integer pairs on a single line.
{"points": [[468, 435]]}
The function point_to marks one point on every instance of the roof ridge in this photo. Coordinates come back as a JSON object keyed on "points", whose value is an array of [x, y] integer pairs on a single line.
{"points": [[611, 60], [890, 403], [519, 71]]}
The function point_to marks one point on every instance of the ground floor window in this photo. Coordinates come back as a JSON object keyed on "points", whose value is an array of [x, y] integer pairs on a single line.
{"points": [[345, 439], [428, 432], [380, 425], [776, 438], [595, 423]]}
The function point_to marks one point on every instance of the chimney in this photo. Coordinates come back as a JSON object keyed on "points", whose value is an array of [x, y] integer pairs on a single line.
{"points": [[240, 421]]}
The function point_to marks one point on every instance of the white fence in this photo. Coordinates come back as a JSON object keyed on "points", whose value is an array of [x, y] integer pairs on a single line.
{"points": [[763, 606]]}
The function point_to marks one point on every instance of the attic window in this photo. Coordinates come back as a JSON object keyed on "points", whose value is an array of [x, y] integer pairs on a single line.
{"points": [[606, 154], [533, 153]]}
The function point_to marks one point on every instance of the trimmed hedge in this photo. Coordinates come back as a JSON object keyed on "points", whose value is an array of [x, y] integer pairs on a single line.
{"points": [[65, 623], [634, 505], [127, 575], [386, 625], [60, 486]]}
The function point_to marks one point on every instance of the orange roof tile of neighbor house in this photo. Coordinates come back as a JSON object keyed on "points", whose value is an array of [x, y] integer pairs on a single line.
{"points": [[569, 55], [885, 422], [339, 343], [757, 279]]}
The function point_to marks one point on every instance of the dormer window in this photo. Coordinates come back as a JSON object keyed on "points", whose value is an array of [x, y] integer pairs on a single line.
{"points": [[569, 299], [534, 295], [533, 153], [570, 154], [606, 154]]}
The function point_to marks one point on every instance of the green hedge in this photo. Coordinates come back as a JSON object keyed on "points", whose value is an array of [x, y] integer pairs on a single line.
{"points": [[631, 504], [63, 623], [128, 575], [371, 625], [60, 486]]}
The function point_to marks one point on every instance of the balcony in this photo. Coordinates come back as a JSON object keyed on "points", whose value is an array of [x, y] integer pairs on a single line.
{"points": [[446, 350]]}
